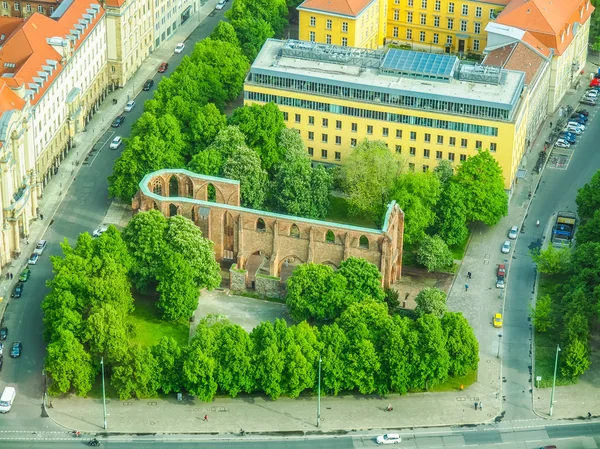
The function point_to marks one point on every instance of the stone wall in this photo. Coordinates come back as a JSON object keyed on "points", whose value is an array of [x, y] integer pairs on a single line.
{"points": [[237, 279], [268, 286]]}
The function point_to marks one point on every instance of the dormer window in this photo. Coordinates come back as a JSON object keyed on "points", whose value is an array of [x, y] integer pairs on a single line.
{"points": [[562, 36], [568, 29]]}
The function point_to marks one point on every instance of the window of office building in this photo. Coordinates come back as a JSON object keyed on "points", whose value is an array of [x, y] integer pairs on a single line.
{"points": [[311, 135], [413, 135], [492, 14], [424, 4], [352, 142], [449, 40], [399, 149], [427, 137], [477, 27], [28, 7], [325, 122], [338, 124], [423, 19], [311, 151], [463, 25], [436, 21], [463, 157], [425, 168], [422, 36], [323, 154], [395, 32], [478, 11], [311, 36], [465, 10], [409, 34], [438, 5], [297, 118], [396, 2], [338, 140], [463, 143], [16, 6], [338, 156], [5, 5], [409, 17], [311, 120], [412, 151], [438, 154], [385, 132], [450, 24], [313, 21], [436, 38], [344, 27], [426, 153], [354, 127], [440, 140], [328, 24], [344, 42], [451, 7], [451, 157], [285, 116], [328, 38], [452, 141], [369, 129], [478, 145], [398, 134], [396, 14], [409, 2], [493, 147], [324, 138], [411, 166]]}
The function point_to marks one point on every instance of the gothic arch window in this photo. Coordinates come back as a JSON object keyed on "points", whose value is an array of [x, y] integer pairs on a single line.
{"points": [[211, 193], [172, 210], [155, 206], [260, 225], [157, 187], [330, 237], [173, 186], [189, 188], [363, 242], [193, 215], [294, 231]]}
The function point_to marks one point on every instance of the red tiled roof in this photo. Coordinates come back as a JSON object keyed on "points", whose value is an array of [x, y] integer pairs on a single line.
{"points": [[344, 7], [516, 56], [550, 21]]}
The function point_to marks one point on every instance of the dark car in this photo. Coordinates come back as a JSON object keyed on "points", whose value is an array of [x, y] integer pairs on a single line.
{"points": [[18, 291], [581, 116], [3, 333], [25, 274], [118, 121], [148, 84], [578, 120], [588, 102], [583, 112], [163, 68], [15, 349], [568, 137], [1, 361]]}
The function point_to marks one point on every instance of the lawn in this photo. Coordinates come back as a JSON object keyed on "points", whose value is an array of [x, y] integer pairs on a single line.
{"points": [[150, 328], [454, 383], [339, 213], [458, 251]]}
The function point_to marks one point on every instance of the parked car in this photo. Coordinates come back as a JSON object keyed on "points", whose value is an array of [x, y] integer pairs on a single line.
{"points": [[129, 106], [18, 290], [148, 84], [562, 143], [101, 230], [1, 348], [16, 348], [579, 120], [220, 5], [572, 122], [512, 234], [1, 361], [583, 112], [179, 48], [116, 143], [500, 275], [575, 129], [506, 247], [595, 81], [389, 438], [3, 333], [591, 93], [33, 259], [588, 102], [118, 121], [40, 247], [163, 67], [25, 274], [569, 137], [578, 115], [498, 320]]}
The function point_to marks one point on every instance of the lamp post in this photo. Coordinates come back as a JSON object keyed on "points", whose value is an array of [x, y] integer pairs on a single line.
{"points": [[554, 380], [499, 343], [319, 396], [103, 394]]}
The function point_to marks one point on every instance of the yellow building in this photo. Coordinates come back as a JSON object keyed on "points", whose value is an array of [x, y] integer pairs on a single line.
{"points": [[425, 107], [349, 23]]}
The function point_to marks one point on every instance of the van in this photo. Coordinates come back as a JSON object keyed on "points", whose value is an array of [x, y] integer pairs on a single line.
{"points": [[7, 399]]}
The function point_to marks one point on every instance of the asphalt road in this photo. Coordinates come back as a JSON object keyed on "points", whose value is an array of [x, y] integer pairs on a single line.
{"points": [[83, 209], [557, 192]]}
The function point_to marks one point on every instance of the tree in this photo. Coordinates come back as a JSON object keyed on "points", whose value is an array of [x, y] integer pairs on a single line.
{"points": [[552, 260], [368, 178], [451, 215], [577, 360], [207, 162], [417, 195], [178, 290], [268, 361], [588, 198], [334, 369], [461, 344], [298, 189], [589, 230], [252, 33], [542, 314], [434, 254], [167, 355], [245, 166], [315, 292], [363, 279], [228, 141], [397, 354], [480, 177], [224, 31], [431, 300], [68, 365], [444, 171], [106, 334], [298, 374], [136, 374], [199, 366], [434, 361], [233, 356], [262, 126], [205, 125]]}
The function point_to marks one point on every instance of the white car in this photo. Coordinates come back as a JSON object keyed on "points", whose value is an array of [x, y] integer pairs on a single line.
{"points": [[591, 93], [40, 247], [574, 129], [129, 106], [33, 259], [577, 124], [389, 438], [116, 143], [562, 143], [220, 5], [512, 234], [179, 48], [506, 247], [101, 230]]}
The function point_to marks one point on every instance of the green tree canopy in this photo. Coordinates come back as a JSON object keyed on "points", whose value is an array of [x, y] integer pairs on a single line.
{"points": [[224, 31], [461, 344], [433, 253], [431, 300], [542, 316], [451, 215], [204, 126], [589, 230], [245, 166], [588, 198], [363, 279], [552, 260]]}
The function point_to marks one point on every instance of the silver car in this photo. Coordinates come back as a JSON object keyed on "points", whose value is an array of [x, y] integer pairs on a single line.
{"points": [[512, 234], [506, 247]]}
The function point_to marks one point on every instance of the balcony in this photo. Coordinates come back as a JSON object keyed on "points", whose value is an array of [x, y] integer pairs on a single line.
{"points": [[18, 202]]}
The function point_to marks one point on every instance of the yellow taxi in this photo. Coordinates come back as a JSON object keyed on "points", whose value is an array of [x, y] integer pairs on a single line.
{"points": [[498, 320]]}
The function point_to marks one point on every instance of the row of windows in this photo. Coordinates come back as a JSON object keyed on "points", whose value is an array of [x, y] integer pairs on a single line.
{"points": [[28, 8], [328, 24], [348, 93], [436, 22], [324, 154], [451, 8], [363, 241], [439, 155], [435, 39], [313, 38]]}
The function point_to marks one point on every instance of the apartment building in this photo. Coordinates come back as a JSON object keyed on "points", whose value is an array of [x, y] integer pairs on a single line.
{"points": [[53, 73], [425, 107], [169, 15], [27, 8], [349, 23], [130, 36]]}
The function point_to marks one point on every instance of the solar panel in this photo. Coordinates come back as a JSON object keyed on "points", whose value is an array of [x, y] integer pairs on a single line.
{"points": [[417, 63]]}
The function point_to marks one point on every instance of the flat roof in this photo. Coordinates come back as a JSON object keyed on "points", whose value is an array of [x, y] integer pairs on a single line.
{"points": [[419, 63], [352, 73]]}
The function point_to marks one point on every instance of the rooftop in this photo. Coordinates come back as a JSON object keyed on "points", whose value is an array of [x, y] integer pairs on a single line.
{"points": [[350, 8], [421, 75]]}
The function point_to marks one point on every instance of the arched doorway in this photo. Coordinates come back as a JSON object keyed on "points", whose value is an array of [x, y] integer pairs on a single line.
{"points": [[172, 210], [211, 193], [173, 186], [228, 240]]}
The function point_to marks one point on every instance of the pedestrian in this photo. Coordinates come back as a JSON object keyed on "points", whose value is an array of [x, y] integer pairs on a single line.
{"points": [[27, 240], [11, 276], [466, 287], [7, 275], [550, 125], [42, 216], [589, 415], [480, 406], [205, 417], [469, 274], [476, 404]]}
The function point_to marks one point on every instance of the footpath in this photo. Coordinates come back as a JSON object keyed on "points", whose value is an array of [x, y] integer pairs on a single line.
{"points": [[259, 415]]}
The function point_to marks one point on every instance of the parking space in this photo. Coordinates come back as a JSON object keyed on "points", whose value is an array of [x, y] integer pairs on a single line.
{"points": [[102, 143]]}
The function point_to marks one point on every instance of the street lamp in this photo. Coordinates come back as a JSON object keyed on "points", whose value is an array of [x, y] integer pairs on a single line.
{"points": [[499, 342], [103, 393], [554, 380], [319, 395]]}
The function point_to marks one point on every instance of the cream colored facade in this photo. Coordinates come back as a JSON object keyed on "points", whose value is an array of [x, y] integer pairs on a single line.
{"points": [[169, 15], [130, 36]]}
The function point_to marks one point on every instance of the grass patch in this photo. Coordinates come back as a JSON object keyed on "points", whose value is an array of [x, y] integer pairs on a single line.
{"points": [[409, 255], [454, 383], [150, 327], [458, 251], [339, 213], [96, 391]]}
